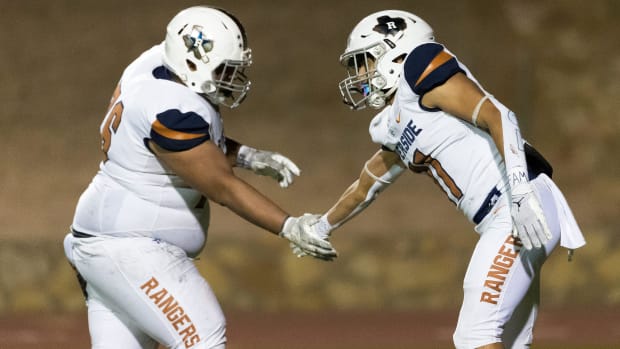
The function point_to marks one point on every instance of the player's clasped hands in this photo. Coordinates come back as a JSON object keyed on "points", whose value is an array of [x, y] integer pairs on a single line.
{"points": [[529, 223], [304, 240]]}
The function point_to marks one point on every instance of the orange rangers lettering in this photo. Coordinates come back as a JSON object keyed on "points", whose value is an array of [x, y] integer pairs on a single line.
{"points": [[173, 311], [502, 263]]}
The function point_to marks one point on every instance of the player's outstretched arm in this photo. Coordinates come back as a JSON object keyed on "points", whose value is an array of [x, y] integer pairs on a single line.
{"points": [[206, 169], [262, 162], [381, 170], [529, 222]]}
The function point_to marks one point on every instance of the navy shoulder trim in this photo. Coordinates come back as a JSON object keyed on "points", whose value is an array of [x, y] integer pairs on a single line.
{"points": [[162, 72], [429, 66], [177, 131]]}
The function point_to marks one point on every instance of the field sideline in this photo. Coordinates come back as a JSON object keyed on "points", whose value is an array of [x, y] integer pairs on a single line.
{"points": [[557, 329]]}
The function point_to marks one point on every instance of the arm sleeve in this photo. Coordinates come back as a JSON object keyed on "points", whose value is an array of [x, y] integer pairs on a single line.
{"points": [[514, 153], [177, 131]]}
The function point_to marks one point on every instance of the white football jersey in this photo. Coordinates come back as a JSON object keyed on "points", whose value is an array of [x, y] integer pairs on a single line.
{"points": [[462, 159], [134, 194]]}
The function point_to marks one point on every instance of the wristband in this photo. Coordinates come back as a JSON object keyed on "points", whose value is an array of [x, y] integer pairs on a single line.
{"points": [[284, 224], [323, 228], [243, 155]]}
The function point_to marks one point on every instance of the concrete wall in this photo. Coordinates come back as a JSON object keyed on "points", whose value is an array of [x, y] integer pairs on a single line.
{"points": [[372, 273]]}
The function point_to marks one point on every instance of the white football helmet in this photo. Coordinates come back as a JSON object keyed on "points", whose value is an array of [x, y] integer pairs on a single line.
{"points": [[207, 49], [376, 50]]}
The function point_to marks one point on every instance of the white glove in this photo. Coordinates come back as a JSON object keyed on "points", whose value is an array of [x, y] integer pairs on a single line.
{"points": [[267, 163], [298, 231], [320, 228], [529, 223]]}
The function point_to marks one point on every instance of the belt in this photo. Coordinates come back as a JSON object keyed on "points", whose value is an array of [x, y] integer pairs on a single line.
{"points": [[79, 234], [487, 205]]}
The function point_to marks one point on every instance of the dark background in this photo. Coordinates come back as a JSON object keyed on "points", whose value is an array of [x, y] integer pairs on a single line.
{"points": [[556, 64]]}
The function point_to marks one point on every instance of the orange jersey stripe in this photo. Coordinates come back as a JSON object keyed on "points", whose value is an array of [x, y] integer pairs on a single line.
{"points": [[172, 134], [440, 59]]}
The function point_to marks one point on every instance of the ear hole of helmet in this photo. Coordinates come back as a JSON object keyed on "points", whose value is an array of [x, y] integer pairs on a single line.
{"points": [[192, 67], [400, 59]]}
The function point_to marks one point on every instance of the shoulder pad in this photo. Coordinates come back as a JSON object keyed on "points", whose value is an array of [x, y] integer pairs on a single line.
{"points": [[177, 131], [379, 130], [428, 66]]}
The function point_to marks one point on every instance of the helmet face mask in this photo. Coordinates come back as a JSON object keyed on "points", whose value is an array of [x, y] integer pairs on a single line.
{"points": [[207, 49], [376, 50], [364, 84], [230, 84]]}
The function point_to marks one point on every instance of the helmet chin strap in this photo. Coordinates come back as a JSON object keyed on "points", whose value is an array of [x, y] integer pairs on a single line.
{"points": [[208, 87], [376, 100], [379, 99]]}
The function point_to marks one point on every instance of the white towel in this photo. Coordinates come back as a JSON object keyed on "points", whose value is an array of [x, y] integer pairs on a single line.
{"points": [[571, 236]]}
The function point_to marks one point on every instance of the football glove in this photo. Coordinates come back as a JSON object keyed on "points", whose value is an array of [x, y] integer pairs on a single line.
{"points": [[267, 163], [528, 219], [303, 240]]}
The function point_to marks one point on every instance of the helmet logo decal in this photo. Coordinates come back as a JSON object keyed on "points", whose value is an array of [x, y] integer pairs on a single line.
{"points": [[198, 43], [390, 26]]}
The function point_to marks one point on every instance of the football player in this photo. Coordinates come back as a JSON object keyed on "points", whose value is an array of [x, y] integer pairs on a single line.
{"points": [[146, 212], [435, 118]]}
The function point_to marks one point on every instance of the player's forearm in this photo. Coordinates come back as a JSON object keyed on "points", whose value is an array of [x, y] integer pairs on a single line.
{"points": [[378, 173], [505, 131], [248, 203], [352, 202], [205, 168], [232, 192], [342, 210]]}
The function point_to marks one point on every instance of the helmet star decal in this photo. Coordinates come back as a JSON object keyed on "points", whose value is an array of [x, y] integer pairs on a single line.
{"points": [[390, 26], [198, 43]]}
